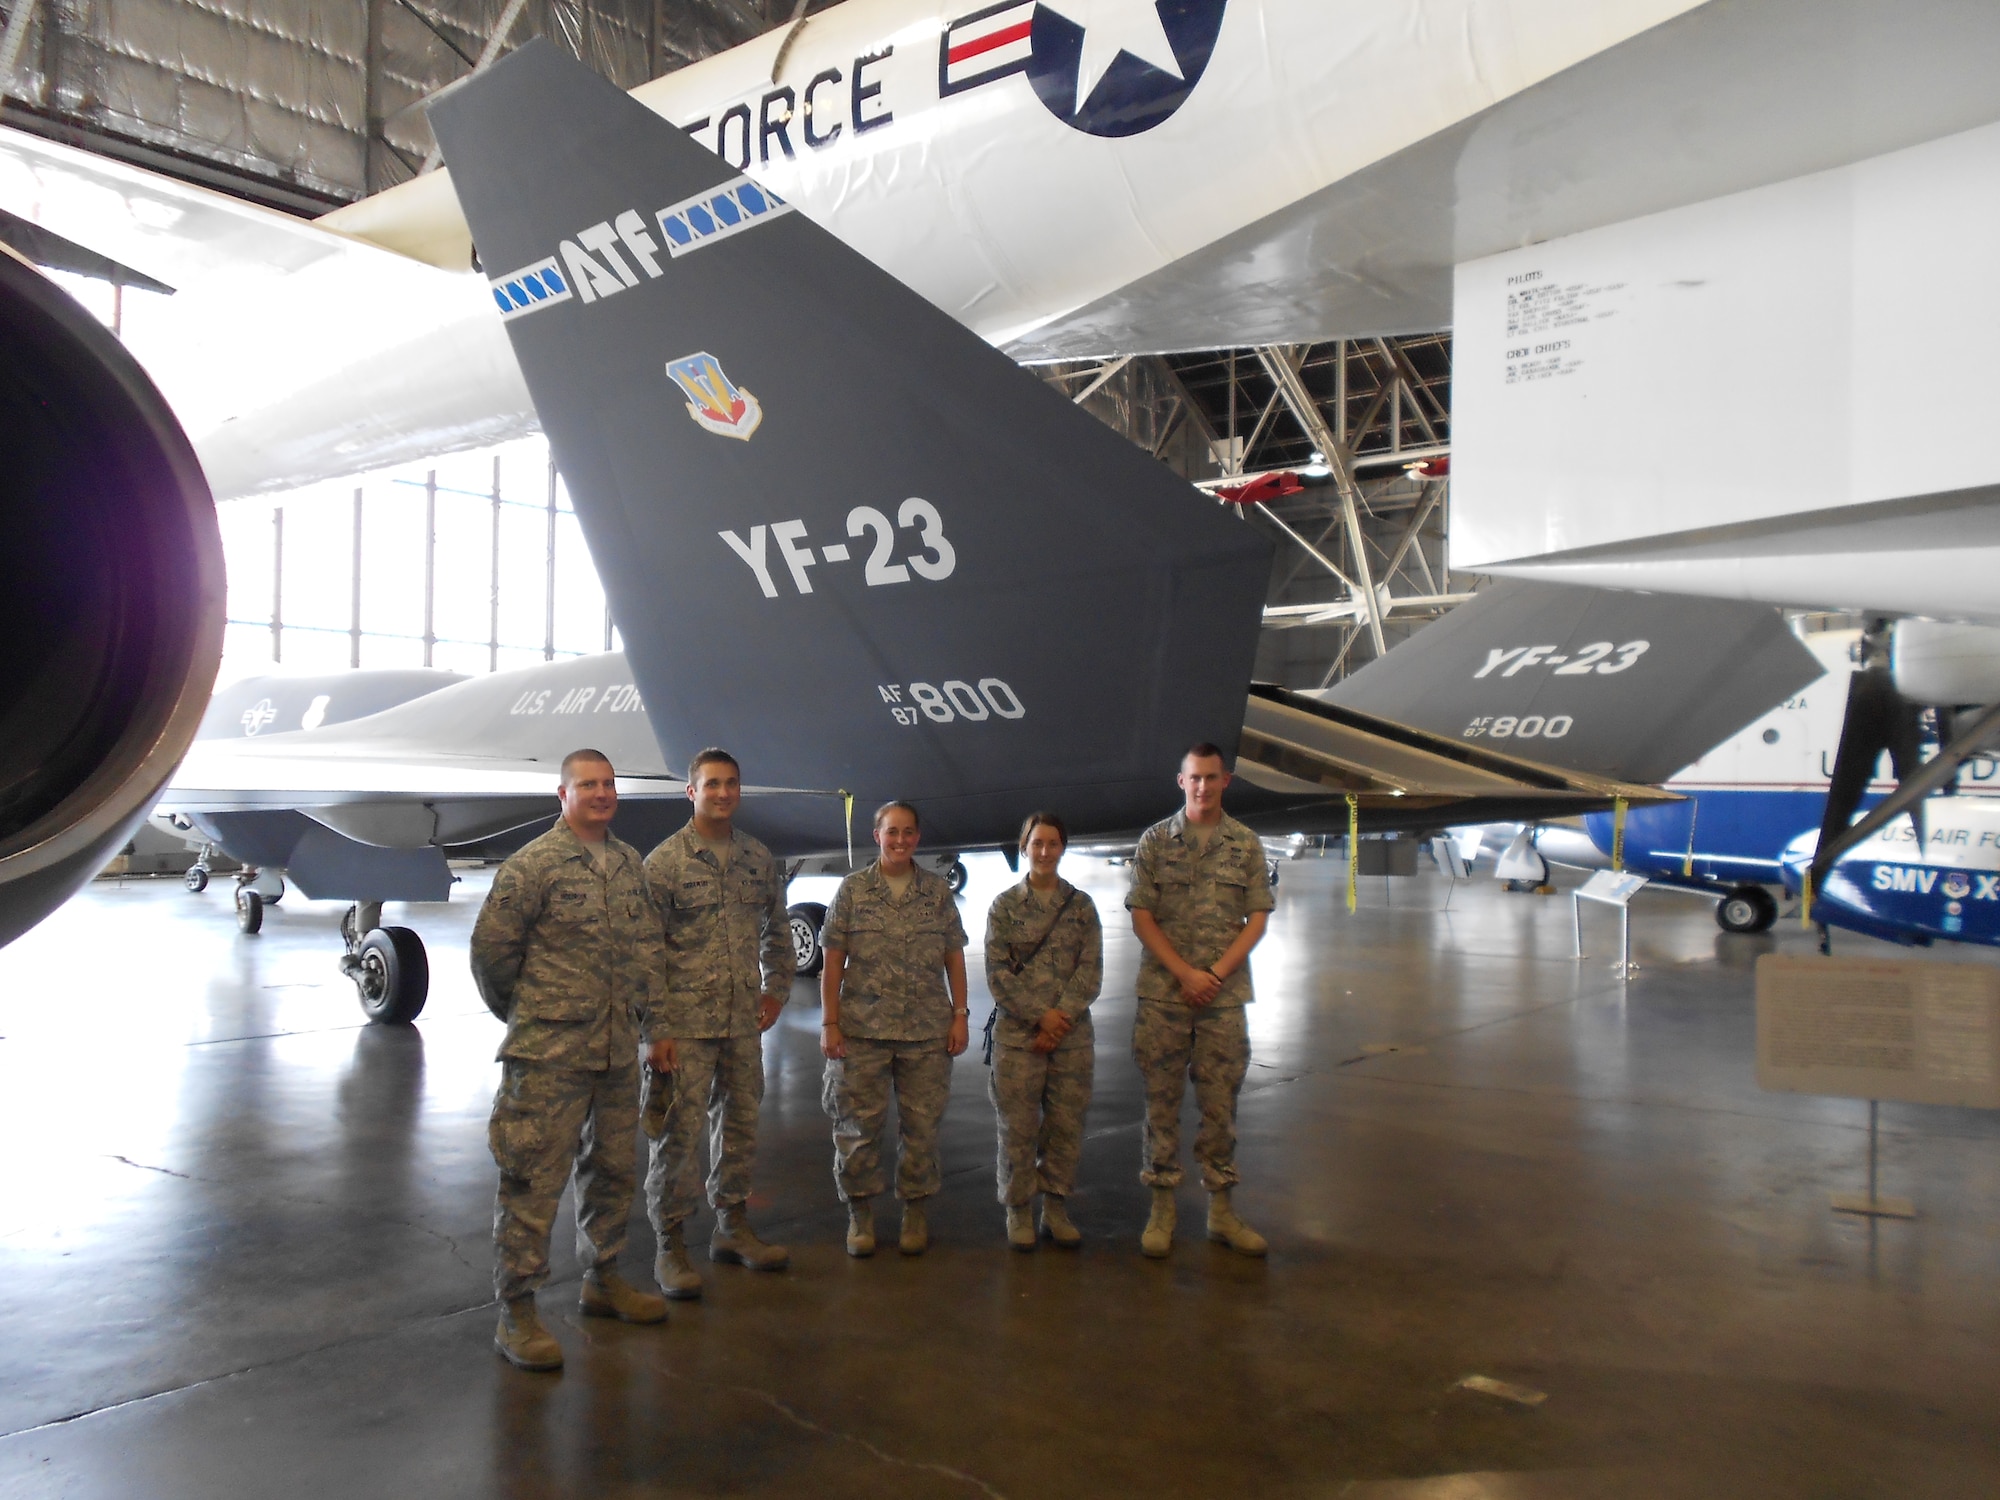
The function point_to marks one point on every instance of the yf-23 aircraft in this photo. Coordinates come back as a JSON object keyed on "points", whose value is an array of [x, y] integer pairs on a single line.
{"points": [[846, 538]]}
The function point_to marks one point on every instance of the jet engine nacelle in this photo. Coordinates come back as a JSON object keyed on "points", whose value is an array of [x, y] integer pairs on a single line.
{"points": [[111, 595], [1943, 665]]}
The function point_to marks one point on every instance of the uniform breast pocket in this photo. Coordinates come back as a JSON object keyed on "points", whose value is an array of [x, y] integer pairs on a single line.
{"points": [[746, 888], [696, 895], [865, 940], [569, 908], [926, 947]]}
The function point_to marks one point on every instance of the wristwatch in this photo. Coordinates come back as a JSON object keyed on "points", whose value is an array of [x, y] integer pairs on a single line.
{"points": [[961, 1010]]}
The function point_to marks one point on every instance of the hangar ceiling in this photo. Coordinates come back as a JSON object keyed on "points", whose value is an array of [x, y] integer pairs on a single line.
{"points": [[1352, 442], [308, 104]]}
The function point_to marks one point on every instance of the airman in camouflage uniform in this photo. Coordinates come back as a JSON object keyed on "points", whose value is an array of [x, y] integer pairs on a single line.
{"points": [[1199, 901], [893, 998], [729, 965], [566, 950], [1044, 964]]}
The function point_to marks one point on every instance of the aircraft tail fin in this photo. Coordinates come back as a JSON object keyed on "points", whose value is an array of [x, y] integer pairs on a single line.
{"points": [[1606, 681], [836, 528]]}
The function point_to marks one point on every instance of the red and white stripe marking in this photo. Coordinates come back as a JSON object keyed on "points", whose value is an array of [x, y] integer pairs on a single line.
{"points": [[993, 42]]}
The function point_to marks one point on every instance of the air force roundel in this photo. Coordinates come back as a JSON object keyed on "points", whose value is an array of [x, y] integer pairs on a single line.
{"points": [[1120, 67]]}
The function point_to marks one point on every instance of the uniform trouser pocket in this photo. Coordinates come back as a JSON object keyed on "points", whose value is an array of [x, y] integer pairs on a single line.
{"points": [[548, 1123]]}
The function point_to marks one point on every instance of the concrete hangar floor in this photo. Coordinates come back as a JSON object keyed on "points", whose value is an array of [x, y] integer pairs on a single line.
{"points": [[245, 1244]]}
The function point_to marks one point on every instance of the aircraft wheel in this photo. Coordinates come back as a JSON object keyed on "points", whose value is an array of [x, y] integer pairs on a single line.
{"points": [[249, 910], [392, 974], [1746, 908], [806, 919], [956, 876], [196, 879], [1271, 873]]}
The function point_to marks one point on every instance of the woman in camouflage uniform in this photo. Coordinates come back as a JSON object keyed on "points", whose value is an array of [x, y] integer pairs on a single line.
{"points": [[893, 1016], [1044, 963]]}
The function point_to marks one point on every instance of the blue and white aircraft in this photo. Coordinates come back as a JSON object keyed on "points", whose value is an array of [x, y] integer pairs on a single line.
{"points": [[1750, 822]]}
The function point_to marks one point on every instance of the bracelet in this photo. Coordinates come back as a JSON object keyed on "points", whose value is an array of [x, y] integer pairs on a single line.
{"points": [[834, 1024], [1210, 972]]}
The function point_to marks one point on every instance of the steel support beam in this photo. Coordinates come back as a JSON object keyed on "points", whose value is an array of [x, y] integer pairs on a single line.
{"points": [[1282, 366]]}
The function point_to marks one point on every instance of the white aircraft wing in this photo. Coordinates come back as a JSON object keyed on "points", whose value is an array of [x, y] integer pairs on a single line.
{"points": [[261, 297]]}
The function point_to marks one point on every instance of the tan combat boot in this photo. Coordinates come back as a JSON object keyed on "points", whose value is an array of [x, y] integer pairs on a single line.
{"points": [[1158, 1237], [916, 1236], [1226, 1229], [523, 1340], [860, 1228], [1056, 1224], [734, 1240], [671, 1269], [606, 1294], [1021, 1226]]}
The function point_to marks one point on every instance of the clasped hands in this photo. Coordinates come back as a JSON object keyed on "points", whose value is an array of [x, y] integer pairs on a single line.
{"points": [[1054, 1026], [1198, 986]]}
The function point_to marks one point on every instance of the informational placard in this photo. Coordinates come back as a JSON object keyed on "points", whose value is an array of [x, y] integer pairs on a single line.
{"points": [[1879, 1028], [1615, 887]]}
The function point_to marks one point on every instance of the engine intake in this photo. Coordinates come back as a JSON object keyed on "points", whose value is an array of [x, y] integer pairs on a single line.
{"points": [[111, 595]]}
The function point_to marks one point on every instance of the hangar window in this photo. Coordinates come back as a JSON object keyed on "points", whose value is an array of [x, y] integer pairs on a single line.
{"points": [[472, 564]]}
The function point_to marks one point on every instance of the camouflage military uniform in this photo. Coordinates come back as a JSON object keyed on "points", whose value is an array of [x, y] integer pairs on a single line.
{"points": [[567, 951], [728, 944], [1201, 899], [1039, 1098], [895, 1017]]}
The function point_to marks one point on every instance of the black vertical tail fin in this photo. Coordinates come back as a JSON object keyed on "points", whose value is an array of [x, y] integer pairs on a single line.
{"points": [[837, 529]]}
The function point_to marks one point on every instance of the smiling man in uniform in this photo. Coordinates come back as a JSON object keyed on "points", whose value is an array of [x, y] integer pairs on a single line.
{"points": [[729, 964], [1199, 901], [567, 952]]}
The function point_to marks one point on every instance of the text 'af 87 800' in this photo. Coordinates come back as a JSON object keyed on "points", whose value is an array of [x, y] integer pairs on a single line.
{"points": [[955, 701]]}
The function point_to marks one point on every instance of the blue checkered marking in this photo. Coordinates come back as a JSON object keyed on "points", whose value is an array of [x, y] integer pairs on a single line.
{"points": [[717, 214], [529, 289]]}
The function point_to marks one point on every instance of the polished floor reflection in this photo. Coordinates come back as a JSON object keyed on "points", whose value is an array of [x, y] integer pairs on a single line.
{"points": [[245, 1244]]}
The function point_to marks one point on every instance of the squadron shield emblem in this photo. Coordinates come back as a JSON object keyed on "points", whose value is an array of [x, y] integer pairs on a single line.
{"points": [[714, 400]]}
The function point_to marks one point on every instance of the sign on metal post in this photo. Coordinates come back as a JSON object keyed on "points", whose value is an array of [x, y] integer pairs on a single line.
{"points": [[1610, 888], [1879, 1028]]}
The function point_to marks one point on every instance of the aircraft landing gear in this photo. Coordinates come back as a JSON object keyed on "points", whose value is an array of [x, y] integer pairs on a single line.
{"points": [[956, 876], [1746, 908], [255, 890], [389, 967], [196, 876], [806, 919]]}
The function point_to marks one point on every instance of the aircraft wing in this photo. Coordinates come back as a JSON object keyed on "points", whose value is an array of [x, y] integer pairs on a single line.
{"points": [[257, 293], [387, 795], [1311, 759], [173, 231]]}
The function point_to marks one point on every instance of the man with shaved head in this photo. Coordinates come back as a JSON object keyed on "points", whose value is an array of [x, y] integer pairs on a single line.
{"points": [[567, 951]]}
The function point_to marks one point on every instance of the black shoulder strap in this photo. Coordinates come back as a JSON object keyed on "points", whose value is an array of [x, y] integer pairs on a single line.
{"points": [[1015, 965]]}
